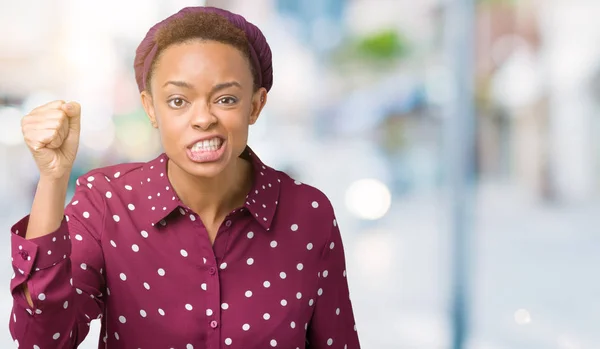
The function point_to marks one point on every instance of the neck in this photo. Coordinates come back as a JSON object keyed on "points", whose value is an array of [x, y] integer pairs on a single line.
{"points": [[213, 198]]}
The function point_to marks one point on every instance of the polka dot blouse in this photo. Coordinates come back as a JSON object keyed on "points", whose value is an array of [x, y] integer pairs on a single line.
{"points": [[130, 253]]}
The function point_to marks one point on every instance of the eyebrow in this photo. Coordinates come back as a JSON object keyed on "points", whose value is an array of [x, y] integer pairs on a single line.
{"points": [[216, 88], [179, 84]]}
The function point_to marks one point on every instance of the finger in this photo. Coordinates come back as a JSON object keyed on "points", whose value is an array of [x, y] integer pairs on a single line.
{"points": [[51, 105], [39, 139], [62, 131], [32, 135], [73, 109], [37, 133], [44, 120], [44, 115], [58, 138]]}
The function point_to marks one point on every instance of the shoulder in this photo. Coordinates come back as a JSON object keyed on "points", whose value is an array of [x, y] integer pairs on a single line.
{"points": [[307, 209], [304, 198], [89, 204], [105, 182], [111, 173], [119, 175], [295, 187]]}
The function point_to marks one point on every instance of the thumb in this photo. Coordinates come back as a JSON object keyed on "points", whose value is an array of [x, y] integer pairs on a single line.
{"points": [[73, 111]]}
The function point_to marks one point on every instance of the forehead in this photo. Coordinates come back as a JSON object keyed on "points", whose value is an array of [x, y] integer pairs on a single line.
{"points": [[202, 62]]}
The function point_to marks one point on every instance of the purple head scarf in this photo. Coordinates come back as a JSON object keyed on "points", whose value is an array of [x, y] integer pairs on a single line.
{"points": [[260, 51]]}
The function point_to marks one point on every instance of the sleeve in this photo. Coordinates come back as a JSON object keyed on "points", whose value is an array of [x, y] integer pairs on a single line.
{"points": [[63, 272], [332, 324]]}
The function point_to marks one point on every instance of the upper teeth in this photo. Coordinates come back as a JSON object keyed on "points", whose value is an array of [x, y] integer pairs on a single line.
{"points": [[208, 144]]}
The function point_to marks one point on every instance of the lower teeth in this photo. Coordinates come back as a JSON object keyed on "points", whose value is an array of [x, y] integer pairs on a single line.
{"points": [[211, 148]]}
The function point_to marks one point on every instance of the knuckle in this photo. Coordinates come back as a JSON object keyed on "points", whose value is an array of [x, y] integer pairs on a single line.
{"points": [[50, 105], [55, 124], [26, 120], [26, 129], [30, 141]]}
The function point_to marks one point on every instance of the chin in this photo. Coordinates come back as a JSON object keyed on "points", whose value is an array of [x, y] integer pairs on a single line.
{"points": [[211, 170]]}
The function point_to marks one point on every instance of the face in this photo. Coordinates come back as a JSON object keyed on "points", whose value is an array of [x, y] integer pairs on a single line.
{"points": [[203, 102]]}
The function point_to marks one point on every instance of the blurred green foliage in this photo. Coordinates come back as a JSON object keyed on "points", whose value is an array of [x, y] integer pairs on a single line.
{"points": [[387, 44], [378, 48]]}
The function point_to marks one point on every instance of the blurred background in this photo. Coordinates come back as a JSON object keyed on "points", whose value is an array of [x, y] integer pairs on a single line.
{"points": [[464, 169]]}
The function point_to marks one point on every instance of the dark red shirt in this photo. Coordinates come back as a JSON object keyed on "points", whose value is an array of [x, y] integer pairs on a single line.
{"points": [[132, 254]]}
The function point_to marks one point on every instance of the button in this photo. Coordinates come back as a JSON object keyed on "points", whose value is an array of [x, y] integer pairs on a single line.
{"points": [[228, 224], [212, 270], [24, 255], [214, 324]]}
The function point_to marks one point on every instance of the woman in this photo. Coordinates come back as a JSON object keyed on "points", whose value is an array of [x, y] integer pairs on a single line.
{"points": [[202, 247]]}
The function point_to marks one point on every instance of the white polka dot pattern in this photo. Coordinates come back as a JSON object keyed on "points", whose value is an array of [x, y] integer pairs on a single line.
{"points": [[141, 259]]}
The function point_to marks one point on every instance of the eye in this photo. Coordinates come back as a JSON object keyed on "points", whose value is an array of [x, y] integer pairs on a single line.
{"points": [[176, 103], [226, 100]]}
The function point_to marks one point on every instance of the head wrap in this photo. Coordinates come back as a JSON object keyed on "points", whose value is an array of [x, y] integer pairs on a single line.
{"points": [[260, 52]]}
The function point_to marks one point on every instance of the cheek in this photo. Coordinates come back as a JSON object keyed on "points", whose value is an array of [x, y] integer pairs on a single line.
{"points": [[168, 127], [171, 119], [234, 121], [240, 126]]}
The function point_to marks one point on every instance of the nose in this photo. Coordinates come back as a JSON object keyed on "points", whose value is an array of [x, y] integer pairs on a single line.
{"points": [[203, 118]]}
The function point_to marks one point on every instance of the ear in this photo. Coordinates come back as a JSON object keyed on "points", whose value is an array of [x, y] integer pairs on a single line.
{"points": [[148, 104], [259, 99]]}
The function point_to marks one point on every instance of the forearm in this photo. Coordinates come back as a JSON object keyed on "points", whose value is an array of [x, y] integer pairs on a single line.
{"points": [[48, 207]]}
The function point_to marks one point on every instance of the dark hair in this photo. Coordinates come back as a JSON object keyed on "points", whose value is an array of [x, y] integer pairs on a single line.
{"points": [[202, 26]]}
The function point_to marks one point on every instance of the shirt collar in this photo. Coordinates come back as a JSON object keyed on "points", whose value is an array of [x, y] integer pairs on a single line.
{"points": [[261, 200]]}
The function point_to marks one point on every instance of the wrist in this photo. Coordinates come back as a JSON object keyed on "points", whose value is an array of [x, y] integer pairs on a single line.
{"points": [[52, 180]]}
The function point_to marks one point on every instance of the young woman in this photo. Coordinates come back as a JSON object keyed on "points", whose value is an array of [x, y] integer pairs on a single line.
{"points": [[204, 246]]}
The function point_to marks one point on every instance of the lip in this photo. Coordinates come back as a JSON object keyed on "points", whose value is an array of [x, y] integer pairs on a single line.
{"points": [[190, 145], [204, 157]]}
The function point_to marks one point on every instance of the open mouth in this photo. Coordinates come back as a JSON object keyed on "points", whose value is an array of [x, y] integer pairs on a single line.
{"points": [[207, 150], [207, 145]]}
